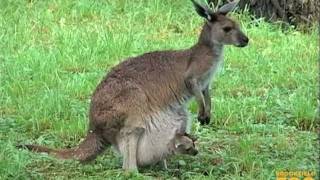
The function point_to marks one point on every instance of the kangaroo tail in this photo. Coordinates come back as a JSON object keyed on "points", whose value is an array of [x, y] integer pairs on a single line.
{"points": [[88, 149]]}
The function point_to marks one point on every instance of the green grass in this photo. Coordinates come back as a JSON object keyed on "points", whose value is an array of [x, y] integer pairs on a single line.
{"points": [[54, 53]]}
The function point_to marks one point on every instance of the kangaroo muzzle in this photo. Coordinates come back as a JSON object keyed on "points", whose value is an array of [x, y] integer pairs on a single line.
{"points": [[243, 40]]}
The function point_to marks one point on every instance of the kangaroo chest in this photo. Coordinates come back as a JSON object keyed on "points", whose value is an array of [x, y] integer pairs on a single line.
{"points": [[208, 75]]}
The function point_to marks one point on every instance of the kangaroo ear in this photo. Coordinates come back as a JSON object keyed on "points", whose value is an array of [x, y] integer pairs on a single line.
{"points": [[225, 9], [203, 11]]}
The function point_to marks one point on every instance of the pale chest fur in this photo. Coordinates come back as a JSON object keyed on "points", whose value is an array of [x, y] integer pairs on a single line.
{"points": [[215, 64]]}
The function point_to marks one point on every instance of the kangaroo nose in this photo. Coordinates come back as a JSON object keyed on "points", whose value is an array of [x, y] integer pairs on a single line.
{"points": [[244, 40]]}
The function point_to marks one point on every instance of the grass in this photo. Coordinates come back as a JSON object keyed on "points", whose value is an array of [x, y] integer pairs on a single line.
{"points": [[54, 53]]}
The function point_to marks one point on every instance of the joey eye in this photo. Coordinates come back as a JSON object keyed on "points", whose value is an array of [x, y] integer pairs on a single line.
{"points": [[227, 29]]}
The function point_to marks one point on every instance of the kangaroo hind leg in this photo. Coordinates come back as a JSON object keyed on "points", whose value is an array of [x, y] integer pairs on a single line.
{"points": [[130, 137]]}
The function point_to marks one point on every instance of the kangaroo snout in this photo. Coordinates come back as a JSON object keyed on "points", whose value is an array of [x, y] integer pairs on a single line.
{"points": [[243, 41]]}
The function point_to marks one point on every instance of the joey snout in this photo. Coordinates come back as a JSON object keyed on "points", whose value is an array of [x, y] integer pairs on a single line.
{"points": [[194, 152]]}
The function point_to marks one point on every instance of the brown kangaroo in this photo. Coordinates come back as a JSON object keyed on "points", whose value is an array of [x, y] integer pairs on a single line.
{"points": [[142, 101]]}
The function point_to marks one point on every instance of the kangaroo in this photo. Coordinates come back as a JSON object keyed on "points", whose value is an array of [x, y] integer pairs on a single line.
{"points": [[142, 101]]}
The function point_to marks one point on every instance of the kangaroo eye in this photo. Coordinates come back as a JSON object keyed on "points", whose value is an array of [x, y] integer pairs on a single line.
{"points": [[227, 29]]}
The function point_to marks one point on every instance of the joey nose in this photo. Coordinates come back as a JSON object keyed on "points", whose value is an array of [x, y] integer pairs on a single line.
{"points": [[195, 152]]}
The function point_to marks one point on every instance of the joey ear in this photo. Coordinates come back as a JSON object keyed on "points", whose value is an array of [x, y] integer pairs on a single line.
{"points": [[203, 11], [225, 9], [178, 141], [177, 144], [193, 138]]}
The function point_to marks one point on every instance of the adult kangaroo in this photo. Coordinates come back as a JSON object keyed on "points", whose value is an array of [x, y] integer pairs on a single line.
{"points": [[142, 101]]}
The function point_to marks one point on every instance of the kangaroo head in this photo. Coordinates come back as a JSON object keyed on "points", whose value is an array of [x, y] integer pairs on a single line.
{"points": [[184, 144], [220, 29]]}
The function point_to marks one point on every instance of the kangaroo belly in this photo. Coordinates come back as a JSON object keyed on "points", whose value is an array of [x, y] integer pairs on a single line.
{"points": [[160, 129]]}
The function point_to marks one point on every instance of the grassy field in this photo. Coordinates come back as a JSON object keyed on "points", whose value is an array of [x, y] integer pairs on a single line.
{"points": [[54, 53]]}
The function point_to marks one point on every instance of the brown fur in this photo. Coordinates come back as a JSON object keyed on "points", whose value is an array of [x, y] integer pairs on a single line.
{"points": [[87, 150], [129, 98]]}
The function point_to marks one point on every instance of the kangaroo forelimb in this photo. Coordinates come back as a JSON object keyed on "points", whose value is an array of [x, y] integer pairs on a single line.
{"points": [[204, 111], [202, 98]]}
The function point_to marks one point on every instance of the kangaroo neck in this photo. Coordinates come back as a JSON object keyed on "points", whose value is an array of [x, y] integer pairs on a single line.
{"points": [[206, 41], [214, 49]]}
